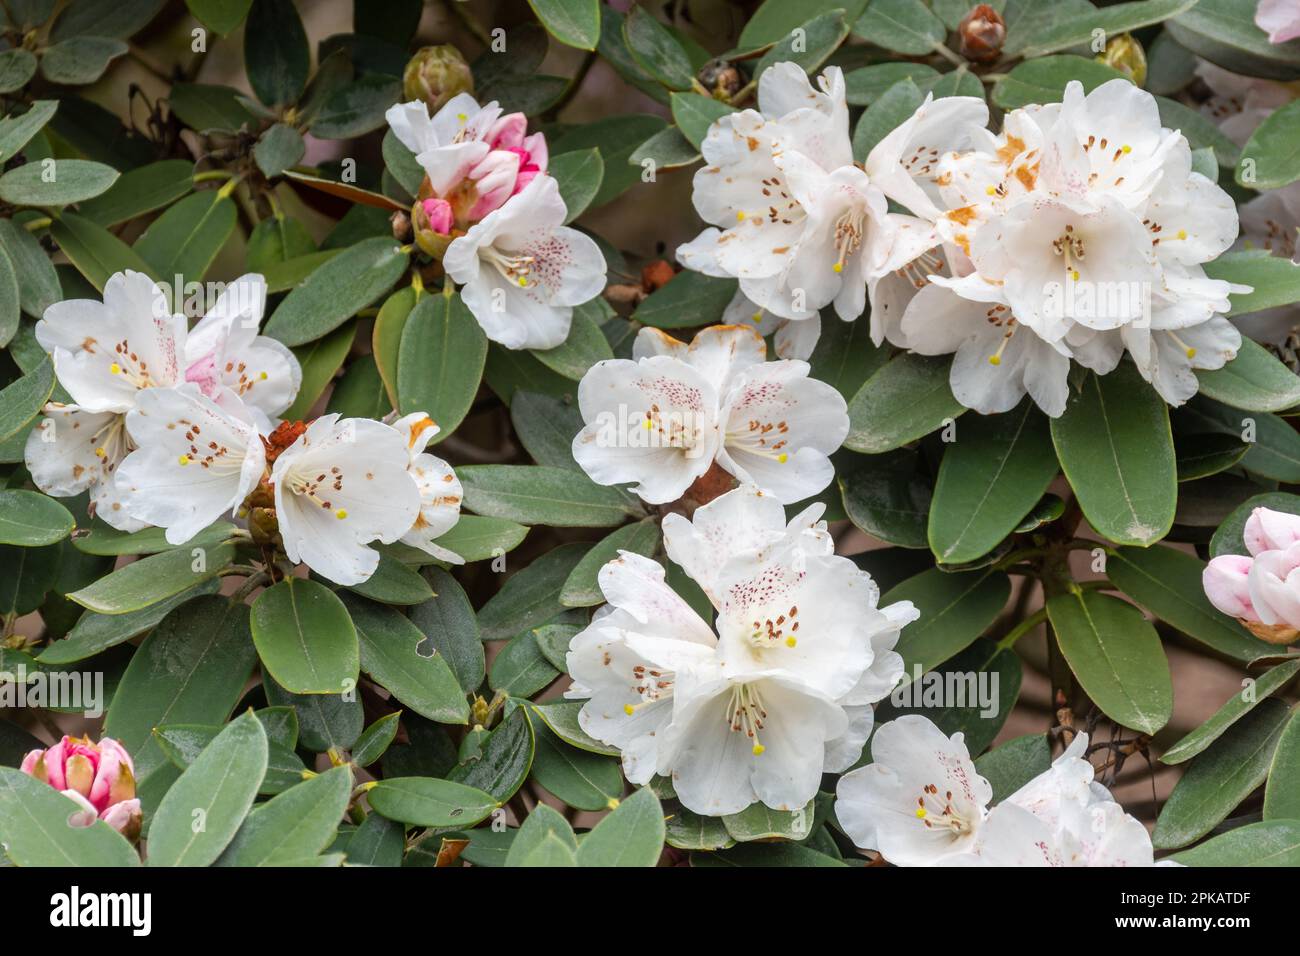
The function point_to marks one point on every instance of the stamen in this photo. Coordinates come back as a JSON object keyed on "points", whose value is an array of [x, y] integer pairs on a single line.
{"points": [[1191, 352]]}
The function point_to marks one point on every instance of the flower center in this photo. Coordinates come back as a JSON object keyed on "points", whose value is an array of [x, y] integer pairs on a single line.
{"points": [[746, 713], [777, 632], [315, 489], [650, 685], [934, 810], [130, 366], [1069, 246], [515, 268], [849, 229]]}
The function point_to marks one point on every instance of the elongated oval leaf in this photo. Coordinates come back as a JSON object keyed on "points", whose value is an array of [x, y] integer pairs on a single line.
{"points": [[904, 401], [440, 361], [429, 802], [305, 638]]}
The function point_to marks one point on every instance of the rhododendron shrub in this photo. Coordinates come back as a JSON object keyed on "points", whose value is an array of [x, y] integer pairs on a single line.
{"points": [[597, 432]]}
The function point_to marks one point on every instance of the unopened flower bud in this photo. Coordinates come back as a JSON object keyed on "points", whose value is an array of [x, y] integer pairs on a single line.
{"points": [[982, 32], [99, 777], [720, 78], [1126, 55], [432, 220], [435, 74]]}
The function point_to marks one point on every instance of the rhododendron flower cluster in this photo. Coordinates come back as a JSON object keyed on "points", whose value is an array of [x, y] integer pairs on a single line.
{"points": [[488, 210], [921, 802], [173, 427]]}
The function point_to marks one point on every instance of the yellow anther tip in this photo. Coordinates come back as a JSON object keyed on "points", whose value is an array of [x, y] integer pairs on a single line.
{"points": [[995, 359], [263, 376], [1126, 148], [1191, 353], [791, 642], [740, 215], [523, 282], [838, 267], [782, 458], [991, 191], [1182, 233], [184, 459], [629, 709], [758, 750], [461, 117], [115, 369], [99, 452], [341, 513], [920, 813], [757, 316]]}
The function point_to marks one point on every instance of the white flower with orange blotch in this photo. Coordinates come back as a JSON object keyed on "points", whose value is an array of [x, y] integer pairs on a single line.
{"points": [[780, 693], [105, 353], [440, 489], [662, 418], [793, 217], [921, 802], [224, 352], [341, 485], [194, 460], [523, 271]]}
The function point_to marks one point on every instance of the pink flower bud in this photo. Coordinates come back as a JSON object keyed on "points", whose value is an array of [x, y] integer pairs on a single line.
{"points": [[1225, 583], [439, 215], [1274, 583], [1268, 530], [508, 132], [100, 777], [494, 179]]}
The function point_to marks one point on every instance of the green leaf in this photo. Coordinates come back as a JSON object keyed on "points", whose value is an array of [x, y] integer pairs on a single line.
{"points": [[1043, 80], [1222, 776], [1271, 157], [762, 854], [38, 283], [904, 26], [1010, 766], [319, 360], [1116, 655], [35, 832], [10, 309], [103, 540], [904, 401], [375, 739], [80, 60], [356, 108], [1273, 450], [337, 290], [989, 479], [666, 149], [1282, 792], [279, 148], [476, 538], [95, 251], [1114, 444], [691, 831], [1275, 281], [845, 356], [440, 362], [1255, 381], [530, 596], [809, 45], [658, 52], [30, 574], [1168, 584], [154, 578], [94, 633], [520, 669], [185, 239], [888, 497], [182, 744], [864, 86], [389, 655], [204, 107], [276, 54], [429, 802], [616, 137], [31, 519], [542, 823], [22, 400], [579, 175], [305, 638], [450, 626], [1075, 29], [585, 346], [190, 669], [297, 824], [1268, 843], [393, 583], [17, 67], [581, 588], [141, 190], [882, 117], [360, 393], [759, 822], [574, 23], [220, 16], [633, 835], [583, 780], [546, 426], [386, 340], [689, 299], [955, 610], [1200, 456], [324, 720], [694, 114], [17, 131], [55, 182], [561, 718], [1236, 707], [538, 494], [502, 762], [1199, 130], [1224, 32]]}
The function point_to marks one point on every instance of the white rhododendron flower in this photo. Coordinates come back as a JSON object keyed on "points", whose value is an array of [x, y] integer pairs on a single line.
{"points": [[662, 418], [920, 802], [781, 691], [523, 270], [1078, 232], [440, 489], [194, 460], [341, 485], [104, 354], [224, 352], [793, 217]]}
